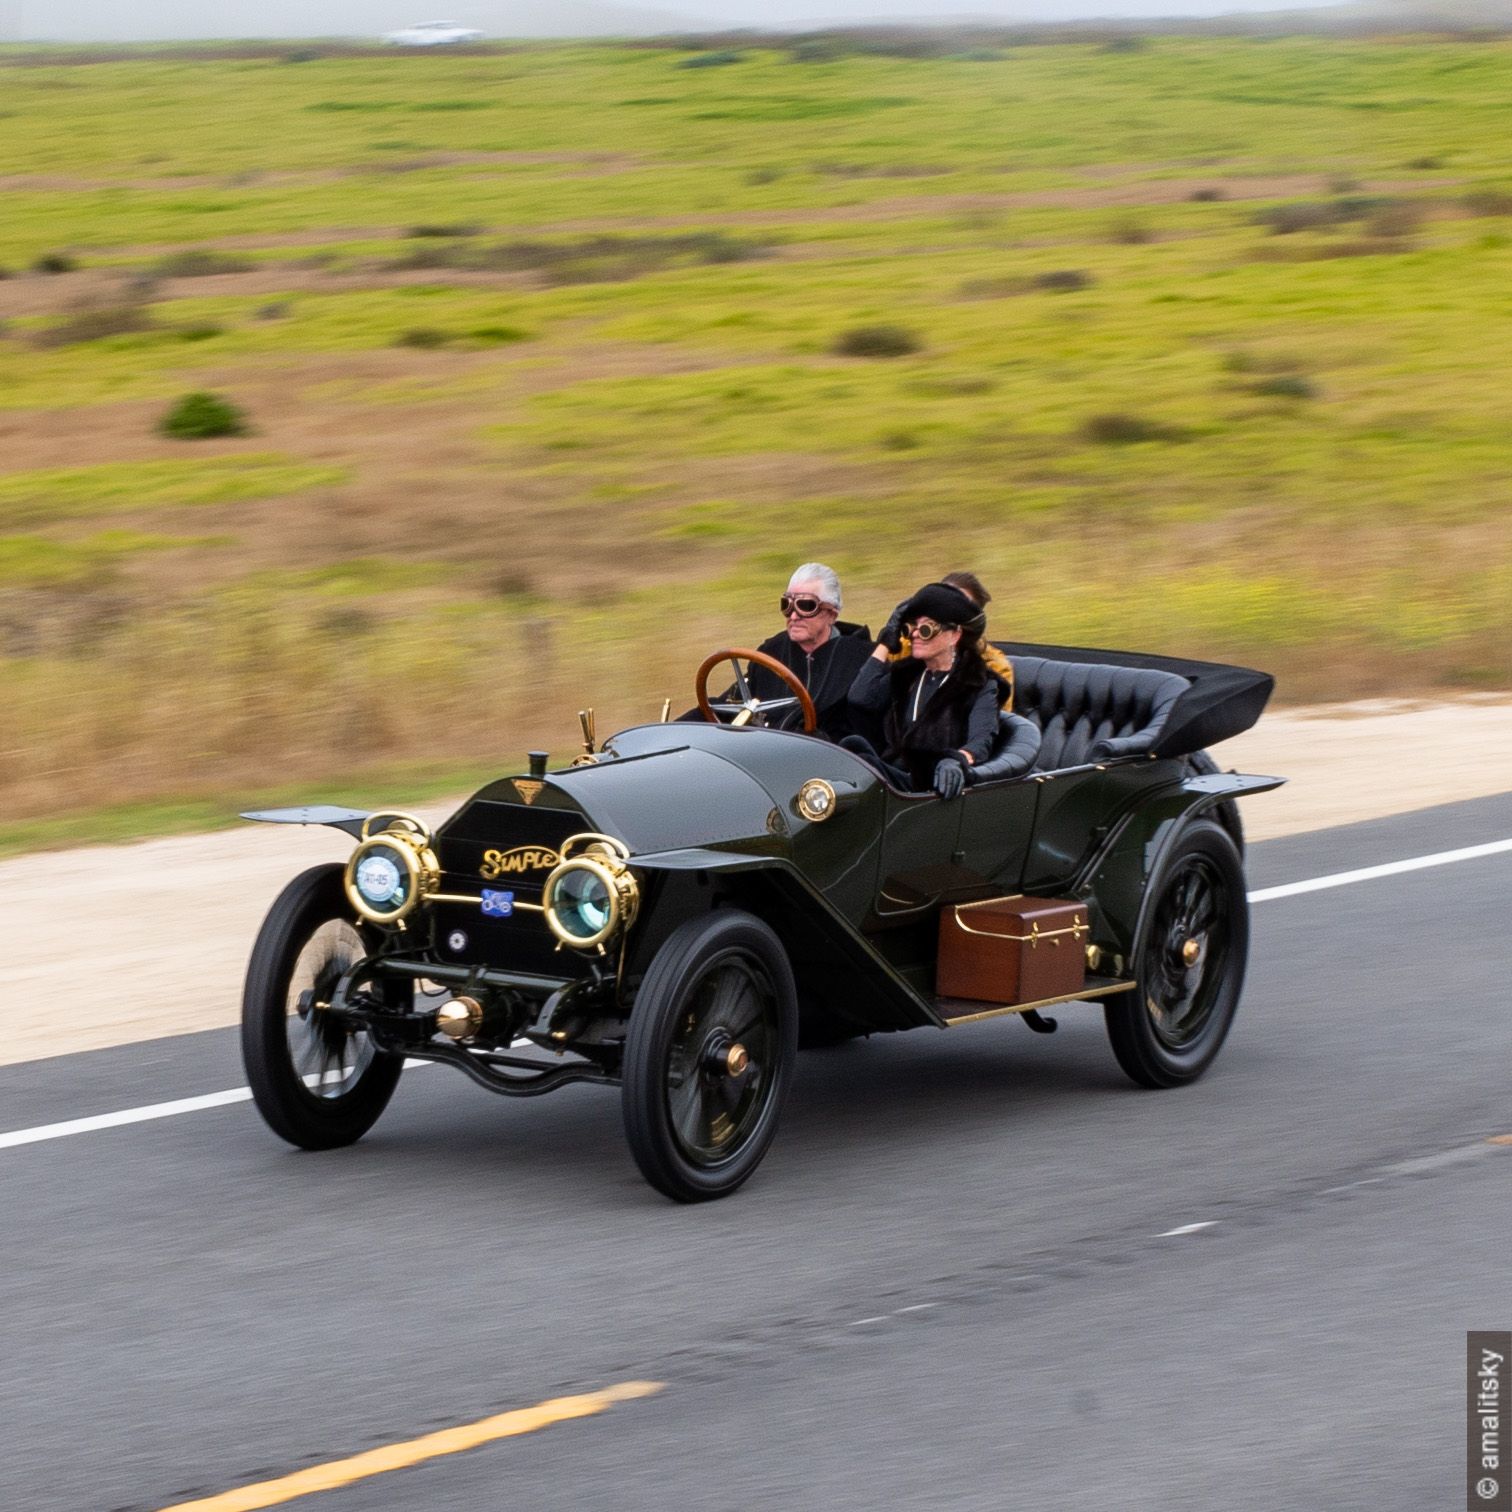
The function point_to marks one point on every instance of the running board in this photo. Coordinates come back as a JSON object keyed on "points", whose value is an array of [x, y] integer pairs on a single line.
{"points": [[968, 1011]]}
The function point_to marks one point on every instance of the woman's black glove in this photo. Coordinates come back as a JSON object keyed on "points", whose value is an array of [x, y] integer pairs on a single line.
{"points": [[892, 631], [950, 778]]}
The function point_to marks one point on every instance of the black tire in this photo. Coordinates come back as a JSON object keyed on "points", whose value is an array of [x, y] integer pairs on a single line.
{"points": [[1200, 764], [305, 943], [696, 1130], [1167, 1031]]}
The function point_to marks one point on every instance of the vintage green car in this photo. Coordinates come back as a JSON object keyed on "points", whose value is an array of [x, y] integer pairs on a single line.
{"points": [[679, 911]]}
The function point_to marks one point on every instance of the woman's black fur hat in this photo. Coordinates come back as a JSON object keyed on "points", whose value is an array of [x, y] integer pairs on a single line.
{"points": [[947, 605]]}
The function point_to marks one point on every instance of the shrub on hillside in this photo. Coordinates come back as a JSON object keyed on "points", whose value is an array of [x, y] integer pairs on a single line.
{"points": [[1127, 430], [876, 341], [201, 416], [587, 259], [1302, 215], [199, 262], [55, 262], [1064, 280], [424, 337], [1396, 220], [94, 323], [1286, 386], [1488, 202], [721, 59]]}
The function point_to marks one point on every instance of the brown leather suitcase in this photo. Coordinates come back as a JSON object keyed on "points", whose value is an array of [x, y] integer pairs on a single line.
{"points": [[1012, 950]]}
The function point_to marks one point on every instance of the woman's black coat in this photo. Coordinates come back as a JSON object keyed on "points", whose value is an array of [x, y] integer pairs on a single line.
{"points": [[942, 726]]}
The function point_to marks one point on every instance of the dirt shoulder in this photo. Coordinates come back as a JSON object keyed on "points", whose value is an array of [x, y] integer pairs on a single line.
{"points": [[154, 936]]}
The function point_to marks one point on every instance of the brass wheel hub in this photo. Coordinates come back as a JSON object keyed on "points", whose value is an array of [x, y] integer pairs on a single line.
{"points": [[1190, 950], [723, 1056]]}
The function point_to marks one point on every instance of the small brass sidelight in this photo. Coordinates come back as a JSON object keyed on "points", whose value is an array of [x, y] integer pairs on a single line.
{"points": [[459, 1018], [816, 800]]}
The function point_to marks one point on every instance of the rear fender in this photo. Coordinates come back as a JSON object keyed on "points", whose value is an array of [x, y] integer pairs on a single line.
{"points": [[1116, 884]]}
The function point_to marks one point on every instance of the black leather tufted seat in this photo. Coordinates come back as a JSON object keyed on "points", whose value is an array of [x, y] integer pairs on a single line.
{"points": [[1088, 711], [1014, 748]]}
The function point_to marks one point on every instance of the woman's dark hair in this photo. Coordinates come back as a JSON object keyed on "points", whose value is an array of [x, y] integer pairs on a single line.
{"points": [[968, 657]]}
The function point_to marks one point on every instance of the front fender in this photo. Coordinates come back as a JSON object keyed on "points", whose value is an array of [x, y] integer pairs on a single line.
{"points": [[840, 974], [349, 820], [1116, 884]]}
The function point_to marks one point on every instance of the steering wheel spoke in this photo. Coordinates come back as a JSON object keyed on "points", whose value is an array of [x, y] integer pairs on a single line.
{"points": [[753, 709]]}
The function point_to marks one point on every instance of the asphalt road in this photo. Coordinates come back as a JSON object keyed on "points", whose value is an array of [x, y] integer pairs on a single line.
{"points": [[946, 1287]]}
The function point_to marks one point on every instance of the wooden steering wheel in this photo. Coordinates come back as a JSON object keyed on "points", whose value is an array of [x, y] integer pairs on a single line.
{"points": [[751, 707]]}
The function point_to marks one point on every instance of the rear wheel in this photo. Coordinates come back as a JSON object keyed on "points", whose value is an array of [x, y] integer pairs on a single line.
{"points": [[708, 1055], [1188, 963], [315, 1082]]}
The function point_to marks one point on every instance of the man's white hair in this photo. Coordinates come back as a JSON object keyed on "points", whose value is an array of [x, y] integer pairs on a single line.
{"points": [[826, 577]]}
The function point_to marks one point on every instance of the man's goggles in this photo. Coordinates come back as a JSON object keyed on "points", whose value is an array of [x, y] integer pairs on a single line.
{"points": [[805, 605]]}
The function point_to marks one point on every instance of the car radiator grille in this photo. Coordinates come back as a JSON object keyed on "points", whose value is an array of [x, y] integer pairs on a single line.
{"points": [[499, 837]]}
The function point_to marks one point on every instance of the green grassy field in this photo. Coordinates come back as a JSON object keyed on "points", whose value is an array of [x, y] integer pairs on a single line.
{"points": [[539, 353]]}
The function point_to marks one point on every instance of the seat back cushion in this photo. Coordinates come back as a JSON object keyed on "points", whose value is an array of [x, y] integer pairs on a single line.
{"points": [[1014, 748], [1089, 710]]}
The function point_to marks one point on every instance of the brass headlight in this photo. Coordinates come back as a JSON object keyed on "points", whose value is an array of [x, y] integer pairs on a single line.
{"points": [[591, 896], [392, 872]]}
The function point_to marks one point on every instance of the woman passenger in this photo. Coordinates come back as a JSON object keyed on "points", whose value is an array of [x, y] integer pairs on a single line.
{"points": [[939, 704]]}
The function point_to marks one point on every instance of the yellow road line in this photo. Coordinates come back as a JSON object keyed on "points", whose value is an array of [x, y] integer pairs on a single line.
{"points": [[337, 1473]]}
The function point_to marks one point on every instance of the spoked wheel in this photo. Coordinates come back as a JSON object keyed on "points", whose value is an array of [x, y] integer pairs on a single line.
{"points": [[708, 1055], [315, 1082], [1188, 962]]}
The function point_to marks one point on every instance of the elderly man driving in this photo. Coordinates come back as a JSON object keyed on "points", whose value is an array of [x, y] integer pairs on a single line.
{"points": [[823, 651]]}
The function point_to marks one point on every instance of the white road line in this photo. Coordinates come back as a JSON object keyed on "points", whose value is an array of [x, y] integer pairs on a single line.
{"points": [[139, 1115], [1187, 1228], [242, 1094], [1390, 869], [125, 1116]]}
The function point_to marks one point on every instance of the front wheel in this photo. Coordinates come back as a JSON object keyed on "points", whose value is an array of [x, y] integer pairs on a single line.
{"points": [[315, 1082], [708, 1055], [1189, 963]]}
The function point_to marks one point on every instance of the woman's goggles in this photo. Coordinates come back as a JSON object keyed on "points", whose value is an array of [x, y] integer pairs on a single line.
{"points": [[926, 630], [804, 605]]}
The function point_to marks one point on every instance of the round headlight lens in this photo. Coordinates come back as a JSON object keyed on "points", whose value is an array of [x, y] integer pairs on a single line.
{"points": [[582, 902], [381, 878]]}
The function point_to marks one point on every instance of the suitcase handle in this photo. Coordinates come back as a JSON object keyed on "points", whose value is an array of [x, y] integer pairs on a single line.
{"points": [[1032, 939]]}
